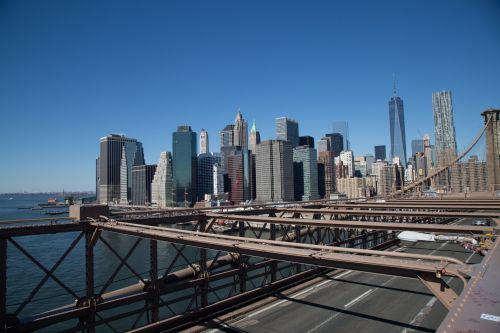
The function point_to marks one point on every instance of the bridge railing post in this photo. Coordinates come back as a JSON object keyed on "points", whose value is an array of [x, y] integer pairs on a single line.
{"points": [[298, 267], [3, 284], [89, 276], [274, 264], [153, 275], [203, 268], [242, 274]]}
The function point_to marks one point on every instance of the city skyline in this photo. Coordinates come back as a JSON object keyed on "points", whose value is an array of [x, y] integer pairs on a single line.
{"points": [[73, 76]]}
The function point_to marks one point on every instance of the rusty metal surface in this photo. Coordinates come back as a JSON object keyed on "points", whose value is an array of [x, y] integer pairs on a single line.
{"points": [[38, 220], [478, 307], [421, 206], [323, 256], [392, 212], [358, 224]]}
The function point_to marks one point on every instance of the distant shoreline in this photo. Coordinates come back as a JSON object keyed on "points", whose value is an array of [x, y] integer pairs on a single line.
{"points": [[50, 193]]}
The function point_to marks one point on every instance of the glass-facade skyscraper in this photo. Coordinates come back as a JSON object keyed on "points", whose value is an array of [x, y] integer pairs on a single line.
{"points": [[118, 154], [287, 130], [342, 127], [380, 153], [185, 165], [397, 126]]}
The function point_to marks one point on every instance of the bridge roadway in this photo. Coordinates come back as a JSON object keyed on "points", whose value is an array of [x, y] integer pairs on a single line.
{"points": [[348, 301]]}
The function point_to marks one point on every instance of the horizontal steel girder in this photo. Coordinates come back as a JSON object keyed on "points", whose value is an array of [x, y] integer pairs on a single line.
{"points": [[426, 206], [456, 229], [323, 256], [366, 212]]}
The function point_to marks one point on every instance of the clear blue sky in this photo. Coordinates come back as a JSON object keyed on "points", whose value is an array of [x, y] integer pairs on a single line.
{"points": [[74, 71]]}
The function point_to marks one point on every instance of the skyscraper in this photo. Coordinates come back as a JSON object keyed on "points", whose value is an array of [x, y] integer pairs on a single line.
{"points": [[227, 136], [287, 130], [305, 171], [204, 148], [118, 154], [326, 174], [240, 132], [397, 126], [185, 165], [444, 128], [444, 133], [417, 146], [274, 171], [239, 177], [347, 159], [254, 138], [380, 153], [306, 141], [162, 186], [205, 172], [342, 127], [336, 143], [142, 177]]}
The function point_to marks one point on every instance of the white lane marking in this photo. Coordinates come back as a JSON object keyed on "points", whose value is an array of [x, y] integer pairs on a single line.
{"points": [[431, 302], [366, 293], [298, 294]]}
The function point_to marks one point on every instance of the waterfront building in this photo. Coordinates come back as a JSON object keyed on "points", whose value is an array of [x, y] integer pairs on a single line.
{"points": [[240, 132], [380, 153], [306, 141], [254, 138], [204, 147], [336, 142], [162, 186], [342, 127], [142, 177], [397, 128], [305, 170], [347, 158], [97, 177], [227, 136], [123, 178], [326, 174], [205, 176], [469, 176], [444, 133], [184, 165], [274, 171], [287, 130], [118, 154]]}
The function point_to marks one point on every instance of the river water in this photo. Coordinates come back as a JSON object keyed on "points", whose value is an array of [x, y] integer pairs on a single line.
{"points": [[23, 275]]}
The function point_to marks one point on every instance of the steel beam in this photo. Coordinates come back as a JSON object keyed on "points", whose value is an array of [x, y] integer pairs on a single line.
{"points": [[38, 220], [422, 206], [365, 212], [323, 256], [460, 229], [29, 230]]}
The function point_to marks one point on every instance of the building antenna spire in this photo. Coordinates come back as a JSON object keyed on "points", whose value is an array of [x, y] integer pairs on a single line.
{"points": [[394, 83]]}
